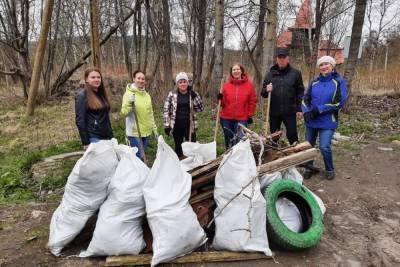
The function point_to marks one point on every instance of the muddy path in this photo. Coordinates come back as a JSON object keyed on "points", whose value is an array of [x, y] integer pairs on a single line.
{"points": [[362, 222]]}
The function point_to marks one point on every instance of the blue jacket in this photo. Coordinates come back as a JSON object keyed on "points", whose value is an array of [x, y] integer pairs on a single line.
{"points": [[327, 95]]}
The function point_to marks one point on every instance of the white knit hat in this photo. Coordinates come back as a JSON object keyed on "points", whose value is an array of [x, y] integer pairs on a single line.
{"points": [[326, 59], [181, 76]]}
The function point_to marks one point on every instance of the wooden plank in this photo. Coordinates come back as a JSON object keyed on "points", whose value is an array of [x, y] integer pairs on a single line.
{"points": [[202, 196], [288, 161], [195, 257], [205, 168]]}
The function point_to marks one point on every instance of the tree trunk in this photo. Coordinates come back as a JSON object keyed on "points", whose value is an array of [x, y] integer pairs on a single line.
{"points": [[167, 46], [201, 15], [259, 44], [37, 65], [125, 43], [270, 37], [219, 44], [356, 32], [94, 36]]}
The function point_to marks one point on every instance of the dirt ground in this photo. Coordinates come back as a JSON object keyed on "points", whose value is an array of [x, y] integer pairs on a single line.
{"points": [[361, 223]]}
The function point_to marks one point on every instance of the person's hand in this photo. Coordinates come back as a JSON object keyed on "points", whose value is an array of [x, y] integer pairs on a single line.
{"points": [[193, 94], [250, 120], [269, 88], [131, 98], [307, 116], [314, 113], [167, 130], [220, 96], [299, 115]]}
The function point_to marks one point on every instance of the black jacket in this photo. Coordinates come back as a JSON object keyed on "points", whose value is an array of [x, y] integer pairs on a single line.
{"points": [[91, 123], [288, 90]]}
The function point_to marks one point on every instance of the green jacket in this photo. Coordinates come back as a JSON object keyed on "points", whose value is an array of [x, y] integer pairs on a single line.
{"points": [[144, 110]]}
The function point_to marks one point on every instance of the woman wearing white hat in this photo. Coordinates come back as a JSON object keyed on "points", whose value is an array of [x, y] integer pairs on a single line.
{"points": [[322, 101], [180, 108]]}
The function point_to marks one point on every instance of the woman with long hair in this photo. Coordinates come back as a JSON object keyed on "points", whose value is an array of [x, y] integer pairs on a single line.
{"points": [[137, 96], [92, 108], [238, 103]]}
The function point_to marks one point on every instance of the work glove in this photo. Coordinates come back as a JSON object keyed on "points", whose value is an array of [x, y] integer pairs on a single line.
{"points": [[314, 113], [220, 96], [131, 98], [193, 94], [307, 116], [167, 130], [250, 120]]}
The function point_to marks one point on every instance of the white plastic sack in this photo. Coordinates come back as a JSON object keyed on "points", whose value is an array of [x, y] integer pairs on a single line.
{"points": [[237, 228], [197, 154], [119, 223], [85, 191], [172, 221], [267, 179], [289, 214]]}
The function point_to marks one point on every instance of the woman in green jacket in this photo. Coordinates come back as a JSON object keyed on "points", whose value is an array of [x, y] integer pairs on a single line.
{"points": [[137, 96]]}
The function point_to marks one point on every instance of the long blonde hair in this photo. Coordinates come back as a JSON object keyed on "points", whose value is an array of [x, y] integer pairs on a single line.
{"points": [[93, 101]]}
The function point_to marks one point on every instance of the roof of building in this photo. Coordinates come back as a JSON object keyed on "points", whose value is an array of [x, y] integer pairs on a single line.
{"points": [[305, 16], [327, 48], [284, 39]]}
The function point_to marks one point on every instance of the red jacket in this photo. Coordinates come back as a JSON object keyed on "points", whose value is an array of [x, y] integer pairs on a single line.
{"points": [[239, 99]]}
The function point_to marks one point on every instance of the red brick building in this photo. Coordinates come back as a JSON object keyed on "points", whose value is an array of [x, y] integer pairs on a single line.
{"points": [[297, 38]]}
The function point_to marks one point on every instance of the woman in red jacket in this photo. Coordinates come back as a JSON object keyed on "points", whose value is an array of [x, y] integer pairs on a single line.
{"points": [[238, 102]]}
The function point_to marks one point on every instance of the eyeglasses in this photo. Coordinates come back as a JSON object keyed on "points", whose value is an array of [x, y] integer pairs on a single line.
{"points": [[282, 56], [324, 64]]}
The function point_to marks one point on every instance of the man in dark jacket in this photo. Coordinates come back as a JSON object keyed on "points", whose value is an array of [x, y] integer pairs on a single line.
{"points": [[286, 86]]}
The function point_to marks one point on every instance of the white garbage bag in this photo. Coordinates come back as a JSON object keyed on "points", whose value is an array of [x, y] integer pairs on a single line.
{"points": [[119, 223], [289, 214], [175, 228], [267, 179], [85, 191], [197, 154], [240, 226]]}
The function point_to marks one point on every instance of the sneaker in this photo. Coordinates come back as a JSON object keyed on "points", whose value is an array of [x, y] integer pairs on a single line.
{"points": [[329, 175]]}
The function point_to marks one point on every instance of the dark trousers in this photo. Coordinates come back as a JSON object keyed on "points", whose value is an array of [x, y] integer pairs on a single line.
{"points": [[290, 124], [181, 134]]}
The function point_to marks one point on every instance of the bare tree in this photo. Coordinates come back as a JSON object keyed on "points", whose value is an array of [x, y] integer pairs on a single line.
{"points": [[270, 37], [356, 32], [219, 41], [37, 65]]}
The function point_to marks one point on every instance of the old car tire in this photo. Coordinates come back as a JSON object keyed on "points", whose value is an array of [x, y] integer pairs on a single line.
{"points": [[313, 226]]}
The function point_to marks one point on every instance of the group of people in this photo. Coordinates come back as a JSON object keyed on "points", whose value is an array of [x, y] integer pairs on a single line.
{"points": [[319, 106]]}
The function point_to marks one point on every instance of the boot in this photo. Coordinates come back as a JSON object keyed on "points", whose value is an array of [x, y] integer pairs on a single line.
{"points": [[329, 175]]}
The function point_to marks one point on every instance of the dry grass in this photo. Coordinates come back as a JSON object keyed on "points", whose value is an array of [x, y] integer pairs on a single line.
{"points": [[378, 82]]}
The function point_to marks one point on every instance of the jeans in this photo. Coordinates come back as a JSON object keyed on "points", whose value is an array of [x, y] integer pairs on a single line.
{"points": [[94, 139], [290, 123], [325, 138], [135, 142], [230, 129]]}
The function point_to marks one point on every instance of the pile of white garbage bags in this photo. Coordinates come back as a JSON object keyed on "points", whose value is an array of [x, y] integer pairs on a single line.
{"points": [[110, 178]]}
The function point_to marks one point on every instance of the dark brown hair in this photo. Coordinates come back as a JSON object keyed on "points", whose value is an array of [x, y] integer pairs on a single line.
{"points": [[93, 101], [240, 66], [136, 72]]}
